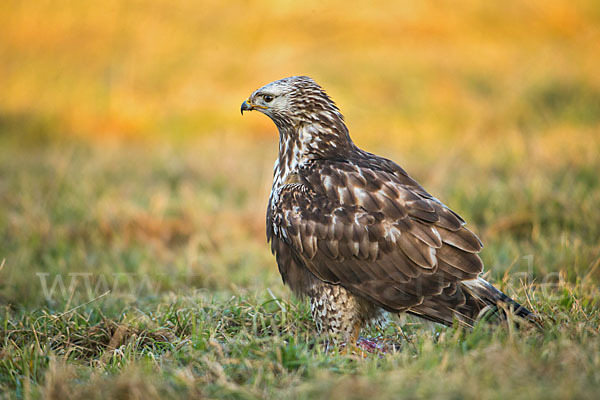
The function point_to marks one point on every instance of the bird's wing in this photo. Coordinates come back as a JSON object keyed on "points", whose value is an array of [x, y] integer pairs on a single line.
{"points": [[373, 230]]}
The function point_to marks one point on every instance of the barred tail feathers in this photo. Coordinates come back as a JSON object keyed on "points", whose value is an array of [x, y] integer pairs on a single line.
{"points": [[494, 300]]}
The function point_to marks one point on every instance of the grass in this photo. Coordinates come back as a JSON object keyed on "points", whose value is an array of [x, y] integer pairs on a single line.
{"points": [[133, 262], [195, 305]]}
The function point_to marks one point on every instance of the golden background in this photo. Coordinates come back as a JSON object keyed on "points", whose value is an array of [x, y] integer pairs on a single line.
{"points": [[402, 72]]}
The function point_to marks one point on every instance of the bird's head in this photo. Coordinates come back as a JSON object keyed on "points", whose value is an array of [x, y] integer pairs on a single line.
{"points": [[292, 100], [305, 115]]}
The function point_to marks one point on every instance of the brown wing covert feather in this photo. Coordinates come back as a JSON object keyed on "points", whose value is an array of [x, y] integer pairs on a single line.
{"points": [[374, 231]]}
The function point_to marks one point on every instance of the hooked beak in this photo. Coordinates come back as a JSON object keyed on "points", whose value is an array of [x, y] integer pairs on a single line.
{"points": [[246, 106]]}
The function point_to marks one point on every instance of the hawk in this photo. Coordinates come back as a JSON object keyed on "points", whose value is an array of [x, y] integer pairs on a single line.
{"points": [[355, 233]]}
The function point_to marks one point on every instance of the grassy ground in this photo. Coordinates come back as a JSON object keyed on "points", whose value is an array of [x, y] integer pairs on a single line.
{"points": [[133, 262], [177, 238]]}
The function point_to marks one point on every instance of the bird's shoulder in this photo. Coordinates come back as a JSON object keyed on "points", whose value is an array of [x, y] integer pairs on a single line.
{"points": [[373, 183]]}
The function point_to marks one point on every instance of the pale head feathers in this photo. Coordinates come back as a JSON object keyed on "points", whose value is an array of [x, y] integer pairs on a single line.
{"points": [[297, 99]]}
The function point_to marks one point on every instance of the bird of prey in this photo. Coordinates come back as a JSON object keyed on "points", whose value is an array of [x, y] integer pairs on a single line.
{"points": [[355, 233]]}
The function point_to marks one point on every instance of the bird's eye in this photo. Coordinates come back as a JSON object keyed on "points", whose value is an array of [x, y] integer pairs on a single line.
{"points": [[267, 98]]}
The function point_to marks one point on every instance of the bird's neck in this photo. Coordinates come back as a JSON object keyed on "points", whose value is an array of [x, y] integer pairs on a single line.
{"points": [[325, 137]]}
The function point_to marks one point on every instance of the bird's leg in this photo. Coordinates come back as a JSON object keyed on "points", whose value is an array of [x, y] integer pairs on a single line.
{"points": [[352, 339], [355, 333]]}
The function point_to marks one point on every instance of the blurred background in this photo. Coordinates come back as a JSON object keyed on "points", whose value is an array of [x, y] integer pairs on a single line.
{"points": [[122, 148]]}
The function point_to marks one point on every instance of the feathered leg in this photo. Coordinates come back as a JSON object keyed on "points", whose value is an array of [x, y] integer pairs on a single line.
{"points": [[339, 314]]}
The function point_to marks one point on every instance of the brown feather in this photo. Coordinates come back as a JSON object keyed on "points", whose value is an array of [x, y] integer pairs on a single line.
{"points": [[427, 234], [417, 251], [462, 238], [464, 261]]}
